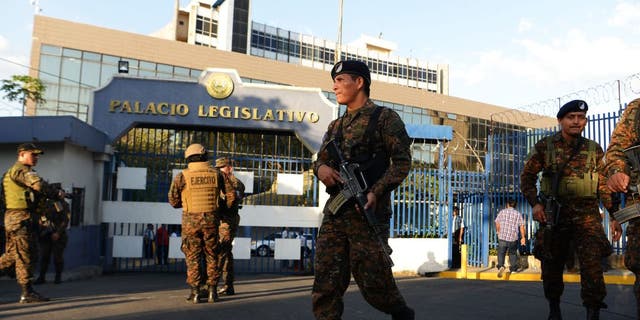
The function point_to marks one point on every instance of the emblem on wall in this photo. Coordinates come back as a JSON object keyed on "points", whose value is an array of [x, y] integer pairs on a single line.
{"points": [[219, 86]]}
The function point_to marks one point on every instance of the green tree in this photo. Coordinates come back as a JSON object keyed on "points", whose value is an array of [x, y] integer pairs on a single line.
{"points": [[22, 88]]}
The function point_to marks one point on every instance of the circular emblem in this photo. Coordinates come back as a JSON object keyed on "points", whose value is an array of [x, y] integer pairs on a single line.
{"points": [[220, 86]]}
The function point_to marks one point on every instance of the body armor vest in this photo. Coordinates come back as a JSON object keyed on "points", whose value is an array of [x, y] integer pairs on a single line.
{"points": [[582, 187], [201, 192], [15, 194]]}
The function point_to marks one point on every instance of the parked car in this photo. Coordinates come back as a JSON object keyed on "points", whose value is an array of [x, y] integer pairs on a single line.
{"points": [[267, 245]]}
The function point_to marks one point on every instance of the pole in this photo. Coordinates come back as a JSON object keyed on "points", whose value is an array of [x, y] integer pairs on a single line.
{"points": [[338, 52]]}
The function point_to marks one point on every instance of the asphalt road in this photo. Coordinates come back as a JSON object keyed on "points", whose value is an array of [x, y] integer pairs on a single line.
{"points": [[157, 296]]}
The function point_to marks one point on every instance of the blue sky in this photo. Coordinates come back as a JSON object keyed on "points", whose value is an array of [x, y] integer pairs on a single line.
{"points": [[514, 54]]}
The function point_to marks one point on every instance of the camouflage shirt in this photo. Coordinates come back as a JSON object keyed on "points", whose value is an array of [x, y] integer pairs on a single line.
{"points": [[577, 167], [625, 135], [390, 137]]}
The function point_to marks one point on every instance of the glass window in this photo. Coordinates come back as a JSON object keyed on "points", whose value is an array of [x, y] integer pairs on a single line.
{"points": [[71, 53], [52, 50], [90, 75], [90, 56], [49, 69], [70, 71]]}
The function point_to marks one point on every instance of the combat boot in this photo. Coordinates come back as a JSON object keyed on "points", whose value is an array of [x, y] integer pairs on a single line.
{"points": [[405, 313], [554, 311], [194, 296], [227, 289], [593, 313], [29, 295], [213, 295], [58, 278]]}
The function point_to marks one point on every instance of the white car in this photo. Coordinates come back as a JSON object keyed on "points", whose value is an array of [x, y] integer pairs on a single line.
{"points": [[267, 245]]}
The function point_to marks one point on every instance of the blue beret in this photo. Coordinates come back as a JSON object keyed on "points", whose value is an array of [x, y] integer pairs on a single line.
{"points": [[356, 67], [572, 106]]}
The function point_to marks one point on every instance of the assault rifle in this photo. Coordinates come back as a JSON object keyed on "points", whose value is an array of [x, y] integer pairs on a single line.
{"points": [[355, 187], [633, 210]]}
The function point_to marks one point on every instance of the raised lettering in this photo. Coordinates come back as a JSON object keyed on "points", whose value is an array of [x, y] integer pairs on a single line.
{"points": [[113, 105]]}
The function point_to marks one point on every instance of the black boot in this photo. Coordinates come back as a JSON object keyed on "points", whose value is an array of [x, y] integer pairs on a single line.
{"points": [[593, 313], [227, 289], [29, 295], [213, 294], [554, 311], [194, 296], [405, 313], [58, 278]]}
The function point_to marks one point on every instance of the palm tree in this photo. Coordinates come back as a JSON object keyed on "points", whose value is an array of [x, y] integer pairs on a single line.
{"points": [[23, 88]]}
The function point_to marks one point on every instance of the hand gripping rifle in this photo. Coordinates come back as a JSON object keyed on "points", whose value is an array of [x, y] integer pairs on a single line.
{"points": [[355, 187], [631, 211]]}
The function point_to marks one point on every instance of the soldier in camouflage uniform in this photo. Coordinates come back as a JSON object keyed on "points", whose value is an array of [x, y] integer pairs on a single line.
{"points": [[626, 134], [229, 222], [576, 161], [346, 243], [21, 185], [197, 191], [53, 221]]}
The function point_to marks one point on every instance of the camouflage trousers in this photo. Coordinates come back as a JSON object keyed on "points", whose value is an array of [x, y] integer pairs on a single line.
{"points": [[49, 247], [591, 247], [200, 239], [21, 248], [227, 232], [345, 246], [632, 257]]}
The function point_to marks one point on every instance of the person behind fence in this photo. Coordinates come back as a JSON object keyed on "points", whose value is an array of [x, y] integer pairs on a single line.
{"points": [[567, 207], [375, 138], [162, 245], [52, 239], [508, 221], [148, 238], [229, 222], [197, 191], [623, 172], [457, 225], [21, 184]]}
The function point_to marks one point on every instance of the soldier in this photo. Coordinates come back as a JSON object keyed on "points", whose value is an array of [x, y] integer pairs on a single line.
{"points": [[571, 183], [229, 222], [54, 219], [346, 243], [197, 191], [618, 170], [21, 184]]}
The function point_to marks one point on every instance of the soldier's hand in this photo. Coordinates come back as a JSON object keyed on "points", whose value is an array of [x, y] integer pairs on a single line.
{"points": [[618, 182], [55, 236], [616, 230], [371, 201], [538, 213], [328, 176]]}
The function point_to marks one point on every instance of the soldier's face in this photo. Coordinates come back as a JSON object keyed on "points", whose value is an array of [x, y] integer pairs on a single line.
{"points": [[573, 123], [28, 158], [346, 87]]}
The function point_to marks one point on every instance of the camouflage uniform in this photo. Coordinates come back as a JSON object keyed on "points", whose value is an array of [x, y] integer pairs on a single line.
{"points": [[52, 221], [229, 222], [578, 219], [199, 229], [625, 135], [20, 222], [346, 243]]}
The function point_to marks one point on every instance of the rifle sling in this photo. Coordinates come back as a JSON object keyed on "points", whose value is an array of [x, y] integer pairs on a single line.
{"points": [[556, 175]]}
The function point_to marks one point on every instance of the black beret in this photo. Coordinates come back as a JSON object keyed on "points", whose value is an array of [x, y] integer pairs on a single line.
{"points": [[572, 106], [356, 67]]}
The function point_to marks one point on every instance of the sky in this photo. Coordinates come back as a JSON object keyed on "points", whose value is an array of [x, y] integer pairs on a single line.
{"points": [[526, 55]]}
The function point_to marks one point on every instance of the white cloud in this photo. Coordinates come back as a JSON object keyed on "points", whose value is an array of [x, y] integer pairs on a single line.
{"points": [[626, 14], [524, 25]]}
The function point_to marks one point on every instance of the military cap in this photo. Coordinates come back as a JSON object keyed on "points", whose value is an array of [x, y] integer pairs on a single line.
{"points": [[223, 162], [572, 106], [194, 149], [356, 67], [29, 147]]}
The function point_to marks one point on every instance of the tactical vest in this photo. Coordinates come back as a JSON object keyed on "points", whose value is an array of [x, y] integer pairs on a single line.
{"points": [[573, 187], [201, 192], [15, 194]]}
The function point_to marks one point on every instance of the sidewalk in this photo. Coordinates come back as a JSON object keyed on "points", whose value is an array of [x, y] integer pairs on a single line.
{"points": [[158, 296]]}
